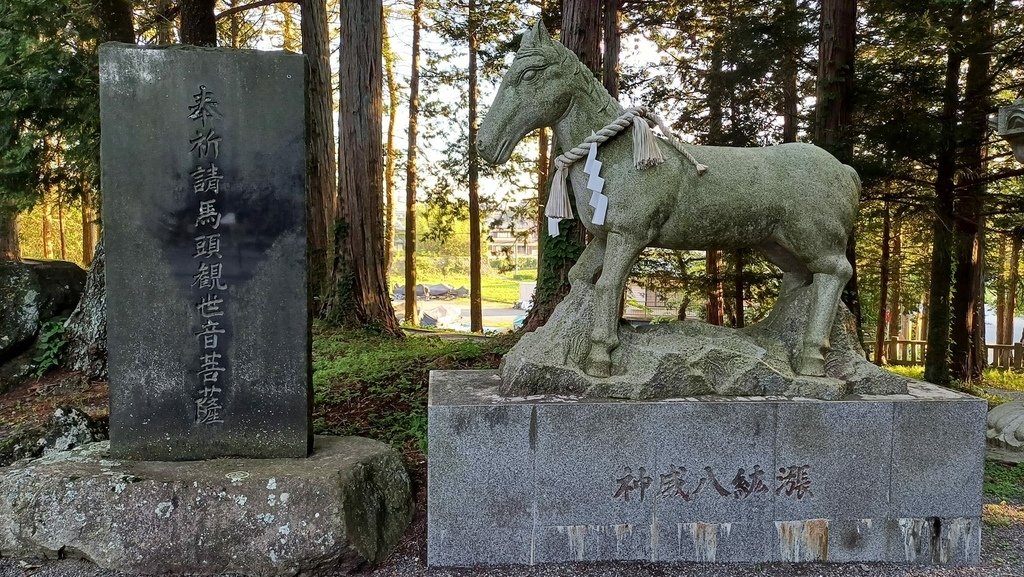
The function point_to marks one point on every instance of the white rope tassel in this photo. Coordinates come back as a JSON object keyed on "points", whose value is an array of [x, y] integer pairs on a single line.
{"points": [[558, 201], [646, 152], [701, 168]]}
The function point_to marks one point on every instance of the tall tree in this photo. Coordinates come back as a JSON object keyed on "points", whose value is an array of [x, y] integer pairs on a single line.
{"points": [[936, 366], [359, 295], [790, 67], [1011, 287], [883, 285], [834, 107], [411, 314], [967, 331], [321, 186], [198, 23], [391, 155], [475, 300], [717, 91], [612, 42], [116, 19], [580, 33], [10, 247]]}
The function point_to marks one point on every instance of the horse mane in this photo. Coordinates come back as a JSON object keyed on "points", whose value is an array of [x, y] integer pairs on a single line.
{"points": [[593, 86]]}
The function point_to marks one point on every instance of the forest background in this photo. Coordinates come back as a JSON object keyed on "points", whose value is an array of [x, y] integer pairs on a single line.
{"points": [[902, 92]]}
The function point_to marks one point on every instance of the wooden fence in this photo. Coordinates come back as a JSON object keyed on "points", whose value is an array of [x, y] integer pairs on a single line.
{"points": [[908, 352]]}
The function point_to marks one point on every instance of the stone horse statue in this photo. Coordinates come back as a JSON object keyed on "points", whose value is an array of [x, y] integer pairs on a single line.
{"points": [[794, 203]]}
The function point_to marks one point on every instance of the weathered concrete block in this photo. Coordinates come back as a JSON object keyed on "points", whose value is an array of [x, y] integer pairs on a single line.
{"points": [[349, 502], [545, 478]]}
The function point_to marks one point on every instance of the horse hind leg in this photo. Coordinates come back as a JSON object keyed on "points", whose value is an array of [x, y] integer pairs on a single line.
{"points": [[830, 274]]}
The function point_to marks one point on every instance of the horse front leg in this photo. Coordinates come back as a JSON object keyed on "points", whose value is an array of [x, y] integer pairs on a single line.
{"points": [[589, 263], [830, 276], [620, 254]]}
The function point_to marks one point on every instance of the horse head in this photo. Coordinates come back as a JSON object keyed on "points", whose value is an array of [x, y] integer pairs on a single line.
{"points": [[534, 92]]}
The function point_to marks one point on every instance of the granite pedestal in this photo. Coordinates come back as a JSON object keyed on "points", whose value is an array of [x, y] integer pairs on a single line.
{"points": [[543, 479]]}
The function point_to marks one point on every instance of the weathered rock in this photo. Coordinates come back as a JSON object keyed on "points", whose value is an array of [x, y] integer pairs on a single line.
{"points": [[1006, 426], [70, 428], [347, 504], [691, 358], [16, 370], [32, 292], [86, 328]]}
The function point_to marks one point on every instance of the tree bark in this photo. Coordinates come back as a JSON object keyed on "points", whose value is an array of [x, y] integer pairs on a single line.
{"points": [[198, 23], [580, 33], [88, 227], [321, 168], [10, 246], [475, 304], [896, 280], [936, 367], [164, 22], [44, 212], [116, 18], [790, 67], [716, 136], [1011, 287], [543, 147], [612, 43], [965, 332], [411, 314], [834, 108], [389, 148], [1000, 290], [716, 302], [883, 287], [61, 231], [359, 296]]}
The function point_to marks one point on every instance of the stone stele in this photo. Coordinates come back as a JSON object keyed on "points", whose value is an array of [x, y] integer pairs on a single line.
{"points": [[204, 223], [557, 478], [346, 504]]}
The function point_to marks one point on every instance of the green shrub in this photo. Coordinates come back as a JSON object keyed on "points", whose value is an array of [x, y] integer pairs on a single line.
{"points": [[49, 346]]}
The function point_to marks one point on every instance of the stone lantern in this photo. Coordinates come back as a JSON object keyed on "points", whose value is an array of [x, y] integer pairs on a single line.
{"points": [[1009, 123]]}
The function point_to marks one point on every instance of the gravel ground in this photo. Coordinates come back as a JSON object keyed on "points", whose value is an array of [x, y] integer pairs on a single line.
{"points": [[1002, 556]]}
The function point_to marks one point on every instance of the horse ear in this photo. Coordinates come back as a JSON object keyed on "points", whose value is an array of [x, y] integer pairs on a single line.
{"points": [[536, 36], [540, 33]]}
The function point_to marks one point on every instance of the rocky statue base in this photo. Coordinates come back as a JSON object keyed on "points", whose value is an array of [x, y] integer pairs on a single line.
{"points": [[347, 504], [549, 479], [688, 358]]}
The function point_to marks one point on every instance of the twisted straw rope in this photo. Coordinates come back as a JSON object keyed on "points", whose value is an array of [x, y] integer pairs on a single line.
{"points": [[624, 121]]}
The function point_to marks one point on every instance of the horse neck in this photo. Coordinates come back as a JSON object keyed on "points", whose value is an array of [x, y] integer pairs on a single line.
{"points": [[590, 109]]}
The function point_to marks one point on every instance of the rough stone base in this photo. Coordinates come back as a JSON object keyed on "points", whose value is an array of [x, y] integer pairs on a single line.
{"points": [[729, 479], [348, 503], [687, 358]]}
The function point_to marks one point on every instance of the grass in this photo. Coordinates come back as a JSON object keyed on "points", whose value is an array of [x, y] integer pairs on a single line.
{"points": [[374, 386], [1005, 482], [1009, 380], [494, 288]]}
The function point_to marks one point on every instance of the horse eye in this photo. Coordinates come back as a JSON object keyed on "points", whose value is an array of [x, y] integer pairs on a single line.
{"points": [[530, 74]]}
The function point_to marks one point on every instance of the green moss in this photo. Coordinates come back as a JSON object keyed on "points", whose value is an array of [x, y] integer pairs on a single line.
{"points": [[1005, 482]]}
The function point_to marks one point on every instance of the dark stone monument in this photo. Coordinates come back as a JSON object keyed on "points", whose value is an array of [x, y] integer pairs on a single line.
{"points": [[204, 219]]}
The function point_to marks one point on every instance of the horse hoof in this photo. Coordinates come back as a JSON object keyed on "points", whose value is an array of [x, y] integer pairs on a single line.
{"points": [[812, 365], [600, 369]]}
